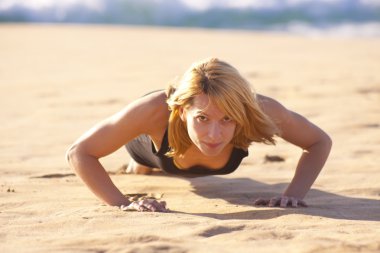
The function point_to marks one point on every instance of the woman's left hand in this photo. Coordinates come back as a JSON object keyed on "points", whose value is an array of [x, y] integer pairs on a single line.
{"points": [[281, 201], [146, 205]]}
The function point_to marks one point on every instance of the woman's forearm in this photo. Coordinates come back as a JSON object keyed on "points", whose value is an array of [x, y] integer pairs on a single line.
{"points": [[308, 168], [93, 174]]}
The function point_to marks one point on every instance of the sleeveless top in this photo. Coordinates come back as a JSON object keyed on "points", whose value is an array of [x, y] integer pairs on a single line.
{"points": [[143, 151]]}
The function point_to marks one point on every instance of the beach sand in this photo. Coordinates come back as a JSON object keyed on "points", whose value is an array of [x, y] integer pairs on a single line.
{"points": [[58, 81]]}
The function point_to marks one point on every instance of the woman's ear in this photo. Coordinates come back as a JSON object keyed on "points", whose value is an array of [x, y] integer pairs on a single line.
{"points": [[182, 114]]}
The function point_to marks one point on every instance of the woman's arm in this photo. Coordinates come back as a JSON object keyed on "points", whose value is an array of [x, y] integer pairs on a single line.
{"points": [[108, 136], [315, 143]]}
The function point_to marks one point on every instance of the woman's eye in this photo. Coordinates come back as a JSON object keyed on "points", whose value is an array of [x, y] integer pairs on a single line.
{"points": [[202, 118], [227, 119]]}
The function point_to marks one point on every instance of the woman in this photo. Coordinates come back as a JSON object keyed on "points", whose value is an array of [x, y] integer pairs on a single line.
{"points": [[202, 125]]}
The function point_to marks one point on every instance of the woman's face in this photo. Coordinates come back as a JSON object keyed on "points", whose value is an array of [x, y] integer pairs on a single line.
{"points": [[208, 127]]}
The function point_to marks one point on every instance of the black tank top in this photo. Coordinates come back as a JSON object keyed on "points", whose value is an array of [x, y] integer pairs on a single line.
{"points": [[143, 151]]}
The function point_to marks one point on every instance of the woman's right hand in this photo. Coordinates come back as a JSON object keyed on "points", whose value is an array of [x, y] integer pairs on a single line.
{"points": [[281, 201], [145, 205]]}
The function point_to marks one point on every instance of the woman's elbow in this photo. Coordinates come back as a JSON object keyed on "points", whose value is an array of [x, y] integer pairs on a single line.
{"points": [[73, 155], [68, 154], [323, 143], [327, 142]]}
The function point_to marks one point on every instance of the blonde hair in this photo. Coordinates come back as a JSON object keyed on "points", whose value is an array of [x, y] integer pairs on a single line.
{"points": [[230, 92]]}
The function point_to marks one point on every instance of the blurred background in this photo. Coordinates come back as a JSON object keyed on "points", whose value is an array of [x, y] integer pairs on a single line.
{"points": [[306, 17]]}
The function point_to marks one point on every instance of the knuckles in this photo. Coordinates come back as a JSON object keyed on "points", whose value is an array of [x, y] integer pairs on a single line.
{"points": [[283, 201]]}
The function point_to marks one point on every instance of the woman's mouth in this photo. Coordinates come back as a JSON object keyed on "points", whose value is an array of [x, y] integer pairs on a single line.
{"points": [[212, 145]]}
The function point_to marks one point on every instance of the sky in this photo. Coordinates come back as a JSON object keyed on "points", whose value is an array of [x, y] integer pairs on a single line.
{"points": [[40, 4], [195, 4]]}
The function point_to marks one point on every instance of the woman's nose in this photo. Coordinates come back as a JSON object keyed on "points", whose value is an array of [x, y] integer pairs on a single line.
{"points": [[214, 131]]}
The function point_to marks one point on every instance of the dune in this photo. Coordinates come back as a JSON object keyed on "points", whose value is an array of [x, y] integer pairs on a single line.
{"points": [[59, 80]]}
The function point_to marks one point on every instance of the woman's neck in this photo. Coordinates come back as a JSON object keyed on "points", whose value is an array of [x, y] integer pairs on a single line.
{"points": [[193, 156]]}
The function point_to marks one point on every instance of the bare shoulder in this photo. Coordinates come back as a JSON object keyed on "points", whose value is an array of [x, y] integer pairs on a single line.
{"points": [[157, 112], [271, 107], [150, 112]]}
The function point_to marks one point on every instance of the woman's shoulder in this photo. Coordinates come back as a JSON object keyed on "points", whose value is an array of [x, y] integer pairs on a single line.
{"points": [[154, 99], [271, 106], [154, 110], [144, 115], [267, 103]]}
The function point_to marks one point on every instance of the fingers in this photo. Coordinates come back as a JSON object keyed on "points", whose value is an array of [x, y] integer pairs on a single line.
{"points": [[146, 205], [155, 206], [274, 201], [151, 205], [294, 202], [163, 206], [289, 201], [261, 202], [283, 201], [302, 203], [138, 206]]}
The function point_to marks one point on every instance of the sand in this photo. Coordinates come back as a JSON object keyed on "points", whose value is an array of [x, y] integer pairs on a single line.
{"points": [[58, 81]]}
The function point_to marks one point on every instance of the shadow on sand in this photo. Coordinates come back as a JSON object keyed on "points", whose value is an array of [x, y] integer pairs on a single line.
{"points": [[242, 191]]}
